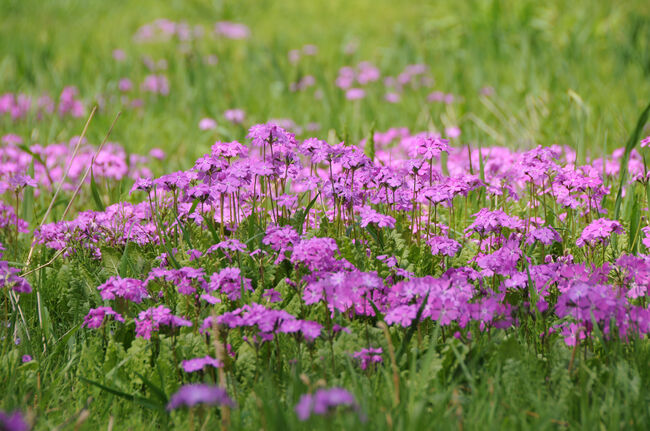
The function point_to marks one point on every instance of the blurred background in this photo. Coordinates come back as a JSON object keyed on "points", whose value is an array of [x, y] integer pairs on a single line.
{"points": [[513, 73]]}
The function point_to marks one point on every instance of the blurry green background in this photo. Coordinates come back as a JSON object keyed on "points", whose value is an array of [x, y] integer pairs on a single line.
{"points": [[569, 72]]}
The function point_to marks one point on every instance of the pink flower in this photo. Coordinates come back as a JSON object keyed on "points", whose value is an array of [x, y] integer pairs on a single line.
{"points": [[157, 153], [232, 30], [207, 124], [599, 231], [453, 132], [119, 55], [355, 94], [235, 116], [196, 364], [392, 97], [96, 316], [125, 85]]}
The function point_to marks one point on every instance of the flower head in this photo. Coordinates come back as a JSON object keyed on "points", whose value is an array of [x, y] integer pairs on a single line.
{"points": [[193, 394], [322, 401], [599, 231]]}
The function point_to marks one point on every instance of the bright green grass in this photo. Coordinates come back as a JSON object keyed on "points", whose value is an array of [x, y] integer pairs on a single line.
{"points": [[574, 73]]}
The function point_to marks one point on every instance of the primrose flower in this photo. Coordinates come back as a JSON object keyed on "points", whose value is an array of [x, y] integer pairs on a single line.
{"points": [[144, 184], [156, 84], [207, 124], [193, 394], [95, 317], [229, 282], [12, 422], [235, 116], [19, 181], [355, 94], [599, 231], [232, 30], [645, 141], [150, 320], [545, 235], [431, 147], [127, 288], [323, 401], [315, 253], [125, 85], [270, 133], [441, 245], [487, 222], [9, 278], [369, 215], [368, 356], [119, 55], [196, 364]]}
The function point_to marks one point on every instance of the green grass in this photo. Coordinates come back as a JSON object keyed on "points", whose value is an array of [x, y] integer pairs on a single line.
{"points": [[570, 73]]}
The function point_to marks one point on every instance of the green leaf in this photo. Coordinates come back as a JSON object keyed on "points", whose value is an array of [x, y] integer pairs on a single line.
{"points": [[632, 142], [144, 402], [299, 218], [412, 328], [94, 190], [155, 390], [635, 225], [171, 257], [125, 262], [28, 199]]}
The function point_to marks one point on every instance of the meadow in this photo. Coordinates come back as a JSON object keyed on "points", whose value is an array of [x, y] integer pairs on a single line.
{"points": [[324, 215]]}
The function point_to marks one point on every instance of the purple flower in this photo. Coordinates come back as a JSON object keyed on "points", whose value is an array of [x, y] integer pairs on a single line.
{"points": [[369, 215], [232, 30], [229, 282], [315, 253], [545, 235], [125, 85], [12, 422], [207, 124], [368, 356], [281, 239], [9, 278], [193, 394], [272, 295], [119, 55], [404, 315], [645, 141], [441, 245], [355, 94], [323, 401], [19, 181], [229, 149], [503, 261], [144, 184], [392, 97], [127, 288], [196, 364], [453, 132], [157, 153], [95, 317], [235, 116], [26, 358], [272, 134], [487, 222], [431, 147], [599, 231], [150, 320], [156, 84]]}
